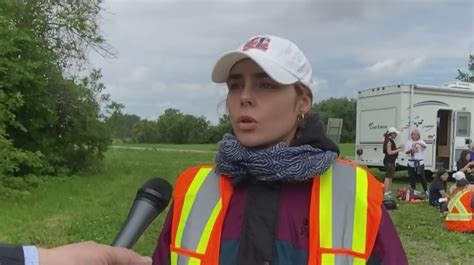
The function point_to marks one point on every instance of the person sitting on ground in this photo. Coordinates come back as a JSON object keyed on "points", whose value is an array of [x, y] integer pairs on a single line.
{"points": [[458, 176], [466, 165], [460, 208], [438, 188]]}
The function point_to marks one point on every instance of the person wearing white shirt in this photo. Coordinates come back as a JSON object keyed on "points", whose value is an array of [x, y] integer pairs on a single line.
{"points": [[415, 149]]}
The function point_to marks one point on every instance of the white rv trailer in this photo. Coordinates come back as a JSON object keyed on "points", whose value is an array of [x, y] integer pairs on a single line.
{"points": [[443, 115]]}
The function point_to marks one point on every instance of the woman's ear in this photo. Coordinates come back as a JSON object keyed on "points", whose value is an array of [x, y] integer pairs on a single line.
{"points": [[305, 103]]}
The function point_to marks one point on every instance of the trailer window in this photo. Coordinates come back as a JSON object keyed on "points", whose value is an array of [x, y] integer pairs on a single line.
{"points": [[463, 124]]}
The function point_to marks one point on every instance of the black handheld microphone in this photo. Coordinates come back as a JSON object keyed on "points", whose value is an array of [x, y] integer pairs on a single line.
{"points": [[152, 198]]}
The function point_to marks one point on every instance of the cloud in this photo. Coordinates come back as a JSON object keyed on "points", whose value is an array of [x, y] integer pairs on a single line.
{"points": [[395, 66], [387, 69], [166, 49]]}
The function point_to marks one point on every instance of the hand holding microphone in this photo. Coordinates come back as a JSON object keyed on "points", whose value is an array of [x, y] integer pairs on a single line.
{"points": [[152, 198]]}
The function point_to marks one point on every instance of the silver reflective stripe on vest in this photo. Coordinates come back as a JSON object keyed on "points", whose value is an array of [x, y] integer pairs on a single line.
{"points": [[344, 259], [206, 199], [459, 217], [343, 199], [183, 259]]}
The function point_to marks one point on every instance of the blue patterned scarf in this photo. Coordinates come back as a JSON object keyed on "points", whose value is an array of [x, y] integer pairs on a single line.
{"points": [[277, 163]]}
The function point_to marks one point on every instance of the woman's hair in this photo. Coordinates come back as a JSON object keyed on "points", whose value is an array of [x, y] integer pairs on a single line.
{"points": [[415, 131], [440, 172], [462, 156], [387, 134], [301, 90]]}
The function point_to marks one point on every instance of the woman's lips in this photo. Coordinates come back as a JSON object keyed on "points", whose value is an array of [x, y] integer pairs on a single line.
{"points": [[246, 123]]}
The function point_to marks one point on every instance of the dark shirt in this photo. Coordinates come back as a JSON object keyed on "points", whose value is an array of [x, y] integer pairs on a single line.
{"points": [[11, 255], [389, 158], [435, 190]]}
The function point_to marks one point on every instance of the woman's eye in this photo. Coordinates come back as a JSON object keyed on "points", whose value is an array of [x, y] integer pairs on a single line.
{"points": [[267, 85], [233, 86]]}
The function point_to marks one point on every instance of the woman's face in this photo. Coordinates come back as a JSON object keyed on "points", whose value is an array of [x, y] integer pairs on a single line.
{"points": [[415, 136], [445, 176], [262, 111], [393, 135]]}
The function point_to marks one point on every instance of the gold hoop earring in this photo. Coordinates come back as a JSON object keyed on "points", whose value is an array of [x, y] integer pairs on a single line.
{"points": [[300, 117]]}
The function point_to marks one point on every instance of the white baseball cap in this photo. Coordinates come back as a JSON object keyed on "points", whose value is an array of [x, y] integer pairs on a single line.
{"points": [[393, 130], [280, 58], [459, 175]]}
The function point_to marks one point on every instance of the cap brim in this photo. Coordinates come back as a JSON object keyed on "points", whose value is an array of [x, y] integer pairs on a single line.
{"points": [[222, 68]]}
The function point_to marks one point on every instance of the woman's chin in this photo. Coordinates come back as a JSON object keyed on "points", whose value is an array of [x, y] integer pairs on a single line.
{"points": [[254, 141]]}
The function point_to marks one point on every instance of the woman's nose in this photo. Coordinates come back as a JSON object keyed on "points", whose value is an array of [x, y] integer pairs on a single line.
{"points": [[247, 98]]}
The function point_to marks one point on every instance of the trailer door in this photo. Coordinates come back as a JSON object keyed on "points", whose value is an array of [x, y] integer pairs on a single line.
{"points": [[461, 136]]}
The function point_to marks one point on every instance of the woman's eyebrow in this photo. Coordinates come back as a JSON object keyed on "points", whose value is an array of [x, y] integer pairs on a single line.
{"points": [[261, 75], [236, 76], [255, 75]]}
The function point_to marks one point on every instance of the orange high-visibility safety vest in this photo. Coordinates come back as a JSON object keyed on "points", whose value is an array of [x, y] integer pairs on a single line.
{"points": [[345, 214], [460, 213]]}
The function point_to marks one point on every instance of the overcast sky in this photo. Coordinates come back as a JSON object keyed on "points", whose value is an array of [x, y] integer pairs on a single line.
{"points": [[166, 49]]}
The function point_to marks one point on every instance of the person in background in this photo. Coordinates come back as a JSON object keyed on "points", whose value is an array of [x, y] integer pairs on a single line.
{"points": [[84, 253], [466, 165], [461, 208], [438, 190], [457, 176], [471, 149], [415, 149], [391, 154], [277, 193]]}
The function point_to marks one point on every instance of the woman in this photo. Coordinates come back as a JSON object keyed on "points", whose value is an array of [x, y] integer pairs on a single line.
{"points": [[415, 149], [458, 176], [438, 189], [465, 165], [461, 207], [277, 189], [391, 154]]}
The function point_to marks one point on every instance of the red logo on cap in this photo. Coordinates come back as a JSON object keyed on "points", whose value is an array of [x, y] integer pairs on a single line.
{"points": [[260, 43]]}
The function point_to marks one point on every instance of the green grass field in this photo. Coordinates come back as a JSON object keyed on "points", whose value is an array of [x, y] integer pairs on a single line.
{"points": [[93, 207]]}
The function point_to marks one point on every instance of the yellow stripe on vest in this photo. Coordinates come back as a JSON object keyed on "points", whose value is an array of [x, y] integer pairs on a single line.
{"points": [[358, 261], [174, 258], [194, 261], [456, 199], [325, 212], [189, 202], [360, 212], [328, 259]]}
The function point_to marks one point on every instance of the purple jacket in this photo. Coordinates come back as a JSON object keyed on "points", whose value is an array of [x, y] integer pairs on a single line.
{"points": [[290, 241]]}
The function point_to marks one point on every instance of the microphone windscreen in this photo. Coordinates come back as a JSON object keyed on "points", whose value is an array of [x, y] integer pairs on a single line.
{"points": [[156, 190]]}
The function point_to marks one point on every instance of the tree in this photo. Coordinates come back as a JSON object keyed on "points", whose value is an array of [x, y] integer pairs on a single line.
{"points": [[49, 124], [68, 29], [121, 125], [216, 133], [339, 108], [177, 128], [146, 131], [467, 76]]}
